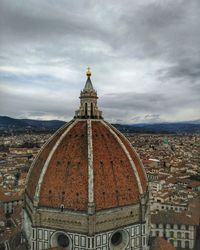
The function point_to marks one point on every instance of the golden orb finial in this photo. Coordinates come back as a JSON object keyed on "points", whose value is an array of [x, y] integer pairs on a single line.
{"points": [[88, 72]]}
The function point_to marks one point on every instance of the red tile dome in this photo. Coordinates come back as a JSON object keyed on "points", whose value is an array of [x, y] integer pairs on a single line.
{"points": [[86, 162]]}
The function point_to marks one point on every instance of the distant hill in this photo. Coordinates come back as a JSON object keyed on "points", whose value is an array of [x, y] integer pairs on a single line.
{"points": [[162, 128], [9, 125], [12, 125]]}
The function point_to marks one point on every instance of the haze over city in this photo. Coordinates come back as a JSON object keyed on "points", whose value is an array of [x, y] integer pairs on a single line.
{"points": [[144, 56]]}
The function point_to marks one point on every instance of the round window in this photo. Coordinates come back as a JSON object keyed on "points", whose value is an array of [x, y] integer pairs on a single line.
{"points": [[63, 240], [119, 240], [116, 238]]}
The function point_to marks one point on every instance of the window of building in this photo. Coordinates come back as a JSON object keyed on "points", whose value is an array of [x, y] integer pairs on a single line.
{"points": [[187, 235], [33, 245], [143, 229], [179, 235], [62, 207], [133, 231], [183, 227], [144, 241], [171, 234], [63, 240], [116, 239], [33, 234], [91, 109], [137, 241], [175, 226], [178, 243], [86, 109], [187, 244]]}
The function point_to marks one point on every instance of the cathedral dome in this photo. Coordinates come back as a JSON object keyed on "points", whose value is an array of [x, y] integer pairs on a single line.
{"points": [[87, 186], [87, 161]]}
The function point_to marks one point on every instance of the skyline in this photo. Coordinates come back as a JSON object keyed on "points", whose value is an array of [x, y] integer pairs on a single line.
{"points": [[144, 57]]}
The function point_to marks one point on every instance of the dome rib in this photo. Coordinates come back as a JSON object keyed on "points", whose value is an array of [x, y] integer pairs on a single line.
{"points": [[115, 183], [44, 169], [66, 180], [87, 181], [93, 154], [134, 156], [38, 163], [127, 154], [90, 164]]}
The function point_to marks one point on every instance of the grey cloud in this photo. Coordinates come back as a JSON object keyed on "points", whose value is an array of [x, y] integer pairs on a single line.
{"points": [[41, 22], [111, 37], [15, 106], [169, 31], [151, 105], [143, 102], [188, 70]]}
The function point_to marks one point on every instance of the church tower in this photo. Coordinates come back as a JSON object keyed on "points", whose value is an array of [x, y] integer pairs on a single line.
{"points": [[87, 188], [88, 105]]}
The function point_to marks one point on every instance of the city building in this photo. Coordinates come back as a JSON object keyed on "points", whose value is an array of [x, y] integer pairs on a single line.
{"points": [[179, 228], [87, 188], [9, 202], [159, 243]]}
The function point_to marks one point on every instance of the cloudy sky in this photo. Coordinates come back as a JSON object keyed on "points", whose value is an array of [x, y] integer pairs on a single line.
{"points": [[144, 56]]}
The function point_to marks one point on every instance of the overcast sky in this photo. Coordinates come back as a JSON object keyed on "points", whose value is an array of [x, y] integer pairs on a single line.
{"points": [[144, 56]]}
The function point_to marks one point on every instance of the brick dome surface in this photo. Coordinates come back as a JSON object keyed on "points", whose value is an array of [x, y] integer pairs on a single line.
{"points": [[86, 160]]}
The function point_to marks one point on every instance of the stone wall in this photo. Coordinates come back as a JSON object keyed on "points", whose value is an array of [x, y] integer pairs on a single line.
{"points": [[137, 239]]}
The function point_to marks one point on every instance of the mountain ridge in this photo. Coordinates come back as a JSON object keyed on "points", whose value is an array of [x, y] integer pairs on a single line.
{"points": [[12, 125]]}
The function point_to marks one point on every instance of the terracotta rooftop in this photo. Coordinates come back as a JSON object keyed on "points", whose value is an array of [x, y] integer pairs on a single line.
{"points": [[171, 217], [194, 208], [194, 184], [2, 214], [161, 244], [86, 159], [8, 198]]}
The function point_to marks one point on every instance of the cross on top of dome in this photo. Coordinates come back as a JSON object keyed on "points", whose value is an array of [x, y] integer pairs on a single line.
{"points": [[88, 85], [88, 72]]}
